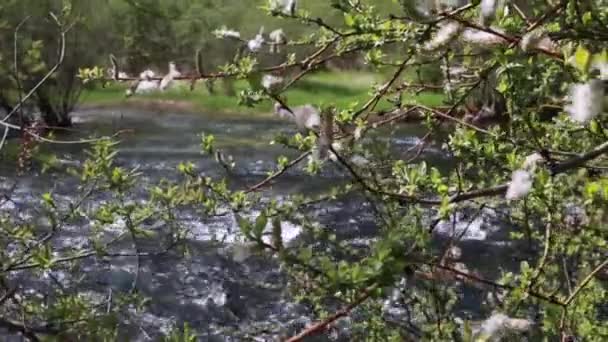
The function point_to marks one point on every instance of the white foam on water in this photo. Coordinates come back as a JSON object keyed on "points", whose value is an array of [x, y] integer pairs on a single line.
{"points": [[7, 205], [217, 295], [478, 229], [289, 232], [226, 230]]}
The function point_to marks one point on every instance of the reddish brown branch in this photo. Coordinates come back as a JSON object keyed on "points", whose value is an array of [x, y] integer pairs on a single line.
{"points": [[322, 325], [472, 278]]}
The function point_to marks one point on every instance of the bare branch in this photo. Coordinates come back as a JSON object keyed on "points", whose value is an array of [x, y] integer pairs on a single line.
{"points": [[586, 281], [278, 173], [48, 74], [473, 278], [322, 325], [16, 71]]}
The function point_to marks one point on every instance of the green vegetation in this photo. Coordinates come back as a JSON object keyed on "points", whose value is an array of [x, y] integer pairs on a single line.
{"points": [[528, 170], [322, 88]]}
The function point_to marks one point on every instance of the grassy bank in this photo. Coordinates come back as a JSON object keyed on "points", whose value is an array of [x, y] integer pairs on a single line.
{"points": [[322, 88]]}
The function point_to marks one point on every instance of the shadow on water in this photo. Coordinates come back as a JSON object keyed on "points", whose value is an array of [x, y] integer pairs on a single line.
{"points": [[212, 291]]}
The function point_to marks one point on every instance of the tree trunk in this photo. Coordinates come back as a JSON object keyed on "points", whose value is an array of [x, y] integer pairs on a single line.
{"points": [[50, 115]]}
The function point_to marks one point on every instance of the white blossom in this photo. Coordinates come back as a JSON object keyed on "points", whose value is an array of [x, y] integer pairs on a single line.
{"points": [[338, 147], [448, 88], [271, 82], [454, 253], [537, 39], [444, 35], [313, 121], [531, 40], [418, 9], [547, 44], [277, 38], [358, 132], [532, 160], [500, 323], [290, 7], [224, 32], [123, 75], [586, 101], [305, 117], [520, 185], [484, 38], [287, 7], [488, 11], [256, 44]]}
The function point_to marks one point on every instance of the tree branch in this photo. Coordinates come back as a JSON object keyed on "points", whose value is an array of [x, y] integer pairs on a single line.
{"points": [[48, 74], [277, 173], [322, 325], [586, 281]]}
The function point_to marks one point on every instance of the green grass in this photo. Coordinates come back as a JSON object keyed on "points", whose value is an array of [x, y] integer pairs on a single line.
{"points": [[322, 88]]}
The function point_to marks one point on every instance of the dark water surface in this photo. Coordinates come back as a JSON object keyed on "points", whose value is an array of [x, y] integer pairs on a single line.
{"points": [[218, 294]]}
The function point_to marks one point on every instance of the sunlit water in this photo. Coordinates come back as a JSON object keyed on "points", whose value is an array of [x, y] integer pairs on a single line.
{"points": [[219, 289]]}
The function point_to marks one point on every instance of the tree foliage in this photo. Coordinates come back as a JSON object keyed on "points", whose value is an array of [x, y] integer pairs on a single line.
{"points": [[545, 60]]}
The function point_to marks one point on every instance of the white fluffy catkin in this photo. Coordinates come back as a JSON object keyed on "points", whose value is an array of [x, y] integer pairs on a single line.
{"points": [[488, 11], [520, 185], [532, 161], [483, 38], [499, 323], [586, 101], [444, 35], [272, 83]]}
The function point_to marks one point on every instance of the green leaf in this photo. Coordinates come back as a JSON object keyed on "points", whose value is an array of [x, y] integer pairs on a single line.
{"points": [[244, 225], [582, 58], [305, 254], [44, 257], [587, 17], [207, 142], [48, 199], [260, 225], [594, 127], [349, 20]]}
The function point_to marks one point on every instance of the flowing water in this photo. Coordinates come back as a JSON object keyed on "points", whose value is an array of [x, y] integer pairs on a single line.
{"points": [[216, 293]]}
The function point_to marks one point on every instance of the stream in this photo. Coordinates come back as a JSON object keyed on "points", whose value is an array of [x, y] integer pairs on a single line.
{"points": [[219, 295]]}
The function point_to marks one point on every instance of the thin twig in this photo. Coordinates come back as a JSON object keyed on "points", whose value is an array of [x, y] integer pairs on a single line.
{"points": [[322, 325], [16, 71], [277, 173], [586, 281], [477, 279], [48, 75]]}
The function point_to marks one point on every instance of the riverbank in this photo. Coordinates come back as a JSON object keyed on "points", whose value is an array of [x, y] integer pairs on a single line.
{"points": [[322, 88]]}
